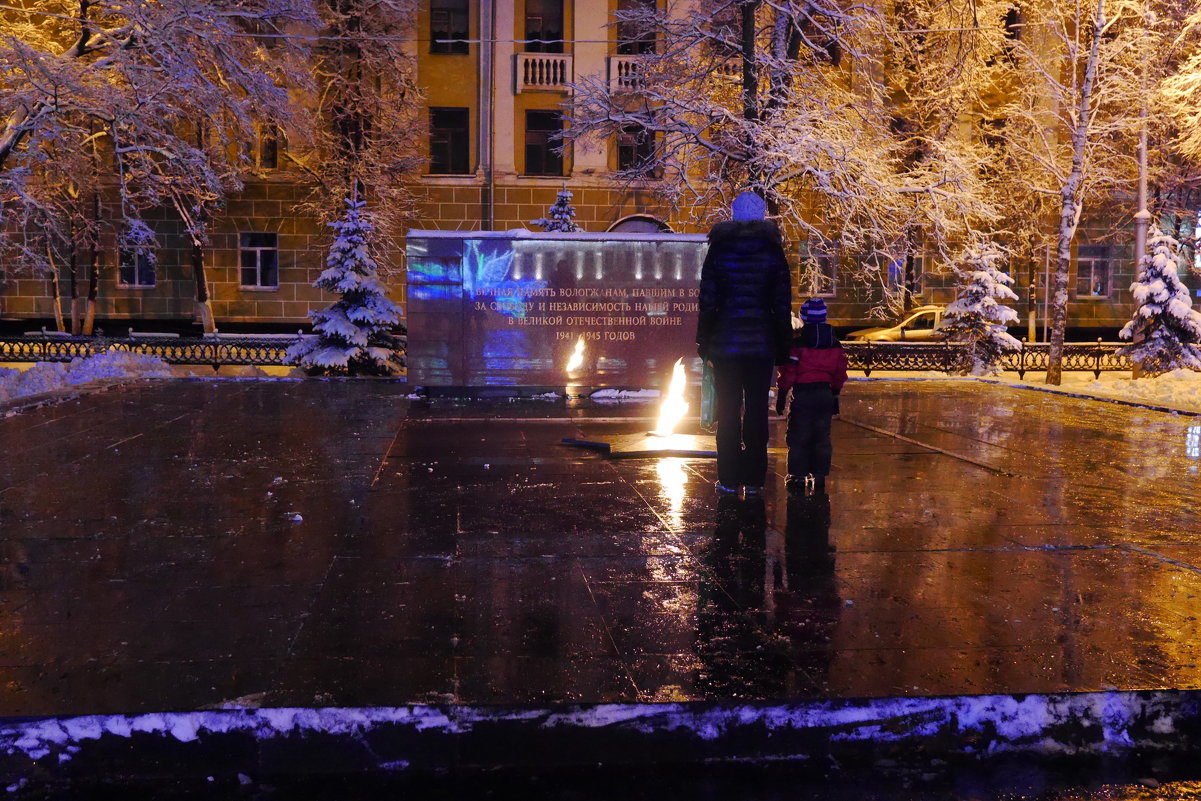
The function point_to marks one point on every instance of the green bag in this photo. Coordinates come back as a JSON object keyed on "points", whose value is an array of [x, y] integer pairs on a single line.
{"points": [[708, 398]]}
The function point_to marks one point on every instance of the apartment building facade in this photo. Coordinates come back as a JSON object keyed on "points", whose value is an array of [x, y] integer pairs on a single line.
{"points": [[495, 76]]}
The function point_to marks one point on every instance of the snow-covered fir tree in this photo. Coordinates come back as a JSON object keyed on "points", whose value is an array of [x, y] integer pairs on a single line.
{"points": [[561, 216], [976, 318], [354, 335], [1165, 329]]}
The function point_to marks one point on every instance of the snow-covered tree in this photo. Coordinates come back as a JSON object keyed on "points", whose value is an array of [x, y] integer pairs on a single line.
{"points": [[750, 94], [164, 94], [1072, 124], [943, 63], [560, 216], [1180, 90], [976, 317], [795, 101], [1165, 330], [354, 335]]}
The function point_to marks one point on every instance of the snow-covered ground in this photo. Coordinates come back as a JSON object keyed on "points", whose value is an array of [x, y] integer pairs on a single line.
{"points": [[50, 376], [1179, 389]]}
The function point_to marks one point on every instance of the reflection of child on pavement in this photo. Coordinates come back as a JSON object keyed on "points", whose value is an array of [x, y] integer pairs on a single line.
{"points": [[814, 376]]}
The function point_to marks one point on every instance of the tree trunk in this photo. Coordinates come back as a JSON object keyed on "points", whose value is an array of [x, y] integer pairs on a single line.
{"points": [[204, 309], [75, 310], [89, 320], [1059, 292], [1071, 205], [57, 290], [750, 79]]}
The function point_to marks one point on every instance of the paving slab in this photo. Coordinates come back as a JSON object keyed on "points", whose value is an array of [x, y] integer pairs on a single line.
{"points": [[184, 545]]}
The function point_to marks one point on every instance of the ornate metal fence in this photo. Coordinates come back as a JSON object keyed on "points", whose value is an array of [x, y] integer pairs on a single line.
{"points": [[951, 357], [269, 350], [211, 350]]}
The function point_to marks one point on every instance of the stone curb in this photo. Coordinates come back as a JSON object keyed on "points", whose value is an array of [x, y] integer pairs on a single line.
{"points": [[382, 740]]}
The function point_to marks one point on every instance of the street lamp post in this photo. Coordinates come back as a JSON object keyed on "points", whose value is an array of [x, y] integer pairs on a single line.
{"points": [[1142, 217]]}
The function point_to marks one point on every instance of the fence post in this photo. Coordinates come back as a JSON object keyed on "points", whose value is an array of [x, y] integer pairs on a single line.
{"points": [[1097, 363], [1022, 360], [867, 362]]}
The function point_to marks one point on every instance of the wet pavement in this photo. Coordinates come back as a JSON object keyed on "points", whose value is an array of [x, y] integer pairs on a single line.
{"points": [[184, 545]]}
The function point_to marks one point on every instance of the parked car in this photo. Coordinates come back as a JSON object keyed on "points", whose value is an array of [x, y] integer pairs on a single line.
{"points": [[919, 325]]}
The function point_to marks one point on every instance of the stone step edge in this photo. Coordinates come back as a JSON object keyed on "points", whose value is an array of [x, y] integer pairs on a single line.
{"points": [[276, 741]]}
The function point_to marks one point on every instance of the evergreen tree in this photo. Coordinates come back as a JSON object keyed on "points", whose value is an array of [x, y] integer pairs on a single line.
{"points": [[976, 317], [562, 215], [353, 336], [1165, 329]]}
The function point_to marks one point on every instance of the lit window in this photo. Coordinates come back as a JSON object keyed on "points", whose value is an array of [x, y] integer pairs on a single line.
{"points": [[1092, 271], [259, 259], [908, 272], [819, 273], [135, 268]]}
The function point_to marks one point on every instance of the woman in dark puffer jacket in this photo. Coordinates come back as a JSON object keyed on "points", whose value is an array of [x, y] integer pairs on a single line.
{"points": [[744, 329]]}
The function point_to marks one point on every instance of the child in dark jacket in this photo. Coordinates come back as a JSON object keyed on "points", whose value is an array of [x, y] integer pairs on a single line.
{"points": [[814, 376]]}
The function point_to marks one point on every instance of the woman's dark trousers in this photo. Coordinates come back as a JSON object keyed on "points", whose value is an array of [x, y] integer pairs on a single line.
{"points": [[809, 448], [742, 387]]}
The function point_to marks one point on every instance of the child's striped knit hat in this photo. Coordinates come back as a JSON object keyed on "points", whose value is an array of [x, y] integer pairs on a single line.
{"points": [[813, 310]]}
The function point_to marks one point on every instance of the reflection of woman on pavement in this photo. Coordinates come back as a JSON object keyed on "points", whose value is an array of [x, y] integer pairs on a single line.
{"points": [[743, 329], [765, 618]]}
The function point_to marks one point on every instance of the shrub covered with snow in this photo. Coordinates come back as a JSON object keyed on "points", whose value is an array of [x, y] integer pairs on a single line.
{"points": [[51, 376], [354, 335], [1166, 329], [560, 216], [976, 317]]}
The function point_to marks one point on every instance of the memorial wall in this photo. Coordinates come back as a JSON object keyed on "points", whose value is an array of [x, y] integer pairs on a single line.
{"points": [[533, 309]]}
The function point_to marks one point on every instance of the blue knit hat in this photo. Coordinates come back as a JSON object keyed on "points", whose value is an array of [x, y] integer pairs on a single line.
{"points": [[813, 310], [749, 206]]}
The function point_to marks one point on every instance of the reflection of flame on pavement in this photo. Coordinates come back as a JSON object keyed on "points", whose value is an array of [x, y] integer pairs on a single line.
{"points": [[577, 356], [674, 407], [672, 479]]}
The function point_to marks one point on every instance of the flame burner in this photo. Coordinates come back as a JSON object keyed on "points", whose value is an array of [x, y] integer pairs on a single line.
{"points": [[663, 441]]}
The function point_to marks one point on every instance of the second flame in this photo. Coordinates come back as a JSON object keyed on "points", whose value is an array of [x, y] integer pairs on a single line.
{"points": [[577, 356]]}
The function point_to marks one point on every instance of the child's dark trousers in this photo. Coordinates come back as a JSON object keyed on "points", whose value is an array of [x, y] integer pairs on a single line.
{"points": [[809, 448]]}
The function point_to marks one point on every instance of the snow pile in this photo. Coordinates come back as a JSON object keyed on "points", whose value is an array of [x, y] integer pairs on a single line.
{"points": [[619, 395], [1084, 723], [1165, 330], [1178, 389], [51, 376]]}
